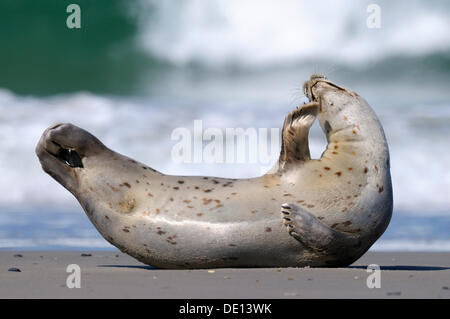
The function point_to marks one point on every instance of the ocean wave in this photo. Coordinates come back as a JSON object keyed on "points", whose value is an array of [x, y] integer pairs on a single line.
{"points": [[257, 33], [151, 45]]}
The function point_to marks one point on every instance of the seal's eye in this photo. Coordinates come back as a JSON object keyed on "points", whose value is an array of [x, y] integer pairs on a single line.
{"points": [[327, 127]]}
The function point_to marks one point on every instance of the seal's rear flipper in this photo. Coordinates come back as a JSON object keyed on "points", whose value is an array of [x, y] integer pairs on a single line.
{"points": [[311, 232], [294, 146]]}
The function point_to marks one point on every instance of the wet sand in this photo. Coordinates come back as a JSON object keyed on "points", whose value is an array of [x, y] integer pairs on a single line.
{"points": [[111, 274]]}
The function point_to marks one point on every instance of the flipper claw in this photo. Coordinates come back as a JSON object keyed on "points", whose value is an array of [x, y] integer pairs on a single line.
{"points": [[311, 232]]}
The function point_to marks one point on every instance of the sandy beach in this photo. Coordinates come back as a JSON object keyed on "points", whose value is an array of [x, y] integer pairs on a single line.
{"points": [[111, 274]]}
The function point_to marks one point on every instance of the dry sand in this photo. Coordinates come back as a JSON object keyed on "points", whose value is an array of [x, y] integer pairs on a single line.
{"points": [[111, 274]]}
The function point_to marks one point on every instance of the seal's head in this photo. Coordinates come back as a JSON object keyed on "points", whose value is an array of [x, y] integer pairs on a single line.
{"points": [[94, 174], [63, 150], [337, 105]]}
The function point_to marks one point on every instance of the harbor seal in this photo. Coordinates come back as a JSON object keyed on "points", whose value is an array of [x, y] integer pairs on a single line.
{"points": [[323, 212]]}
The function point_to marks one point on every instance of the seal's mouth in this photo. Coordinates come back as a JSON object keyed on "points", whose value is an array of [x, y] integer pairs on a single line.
{"points": [[69, 157]]}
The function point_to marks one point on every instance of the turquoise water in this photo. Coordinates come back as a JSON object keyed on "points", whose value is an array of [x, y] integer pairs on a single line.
{"points": [[136, 70]]}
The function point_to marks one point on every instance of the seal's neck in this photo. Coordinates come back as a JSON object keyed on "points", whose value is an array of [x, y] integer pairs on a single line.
{"points": [[355, 131]]}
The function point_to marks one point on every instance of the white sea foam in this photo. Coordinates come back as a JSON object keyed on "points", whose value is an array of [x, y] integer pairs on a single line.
{"points": [[411, 245], [66, 243], [264, 32]]}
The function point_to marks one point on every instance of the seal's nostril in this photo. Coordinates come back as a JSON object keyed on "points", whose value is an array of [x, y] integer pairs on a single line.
{"points": [[318, 76]]}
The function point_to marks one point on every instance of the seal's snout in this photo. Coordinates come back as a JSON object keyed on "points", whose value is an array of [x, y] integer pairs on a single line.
{"points": [[52, 145], [69, 143], [308, 85], [317, 85], [54, 158], [61, 150], [56, 141]]}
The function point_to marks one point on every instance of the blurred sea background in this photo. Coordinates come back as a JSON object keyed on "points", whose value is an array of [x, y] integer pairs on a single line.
{"points": [[136, 70]]}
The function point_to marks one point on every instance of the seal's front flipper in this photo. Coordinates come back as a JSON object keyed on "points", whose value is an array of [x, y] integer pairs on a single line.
{"points": [[294, 146], [311, 232]]}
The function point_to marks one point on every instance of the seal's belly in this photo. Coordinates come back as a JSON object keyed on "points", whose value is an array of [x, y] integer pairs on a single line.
{"points": [[213, 199], [175, 244]]}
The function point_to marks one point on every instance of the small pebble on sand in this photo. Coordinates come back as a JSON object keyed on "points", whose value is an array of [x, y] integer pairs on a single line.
{"points": [[394, 293]]}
